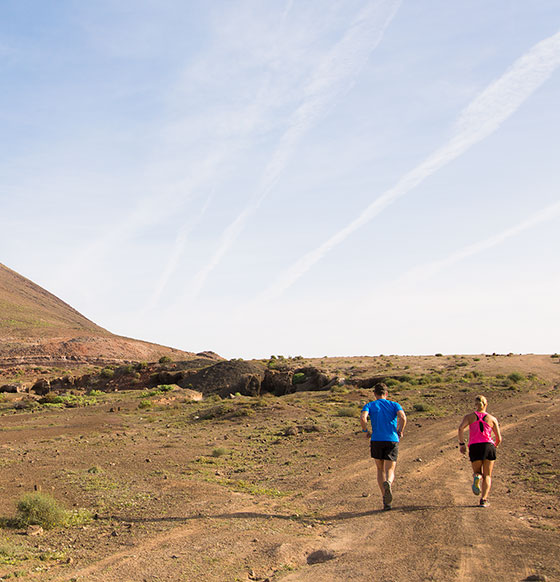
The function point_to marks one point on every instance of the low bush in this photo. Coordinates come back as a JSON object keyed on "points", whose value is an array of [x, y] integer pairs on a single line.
{"points": [[107, 373], [298, 378], [40, 509], [347, 412]]}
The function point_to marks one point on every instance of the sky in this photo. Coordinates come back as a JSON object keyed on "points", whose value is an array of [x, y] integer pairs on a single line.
{"points": [[297, 177]]}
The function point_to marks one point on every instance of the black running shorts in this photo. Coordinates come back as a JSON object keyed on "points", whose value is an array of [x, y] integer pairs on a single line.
{"points": [[386, 450], [482, 452]]}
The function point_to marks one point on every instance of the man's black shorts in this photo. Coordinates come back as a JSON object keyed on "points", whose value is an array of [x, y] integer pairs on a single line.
{"points": [[386, 450], [482, 452]]}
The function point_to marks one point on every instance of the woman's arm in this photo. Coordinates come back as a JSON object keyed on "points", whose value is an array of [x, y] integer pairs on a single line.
{"points": [[461, 433], [496, 430]]}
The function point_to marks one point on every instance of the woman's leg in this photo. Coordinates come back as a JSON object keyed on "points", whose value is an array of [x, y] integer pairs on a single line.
{"points": [[487, 467]]}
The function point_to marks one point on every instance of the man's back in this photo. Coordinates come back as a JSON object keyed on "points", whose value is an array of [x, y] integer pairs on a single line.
{"points": [[383, 416]]}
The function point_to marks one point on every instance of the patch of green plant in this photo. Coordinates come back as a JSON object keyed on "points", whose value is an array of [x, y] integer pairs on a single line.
{"points": [[246, 487], [516, 377], [107, 373], [164, 360], [422, 407], [40, 509], [298, 378], [347, 412], [67, 400], [219, 452]]}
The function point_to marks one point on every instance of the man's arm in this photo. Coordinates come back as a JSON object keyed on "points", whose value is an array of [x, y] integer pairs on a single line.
{"points": [[363, 421], [401, 422]]}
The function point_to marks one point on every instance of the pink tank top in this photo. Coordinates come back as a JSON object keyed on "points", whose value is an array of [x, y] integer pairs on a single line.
{"points": [[480, 431]]}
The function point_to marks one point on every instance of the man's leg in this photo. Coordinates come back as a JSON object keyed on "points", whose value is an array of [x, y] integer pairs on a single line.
{"points": [[380, 465], [389, 468]]}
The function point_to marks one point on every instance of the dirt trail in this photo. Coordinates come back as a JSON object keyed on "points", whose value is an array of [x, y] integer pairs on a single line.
{"points": [[436, 531]]}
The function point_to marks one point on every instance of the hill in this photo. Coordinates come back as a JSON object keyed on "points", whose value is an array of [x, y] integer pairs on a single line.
{"points": [[36, 327]]}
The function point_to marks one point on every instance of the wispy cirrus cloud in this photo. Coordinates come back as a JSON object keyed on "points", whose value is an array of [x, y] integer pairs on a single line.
{"points": [[423, 272], [482, 117], [334, 76]]}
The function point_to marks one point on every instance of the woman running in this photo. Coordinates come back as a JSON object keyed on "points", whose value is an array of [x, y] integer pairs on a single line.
{"points": [[484, 437]]}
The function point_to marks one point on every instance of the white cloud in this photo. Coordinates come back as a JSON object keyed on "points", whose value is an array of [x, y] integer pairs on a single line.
{"points": [[334, 76], [480, 118]]}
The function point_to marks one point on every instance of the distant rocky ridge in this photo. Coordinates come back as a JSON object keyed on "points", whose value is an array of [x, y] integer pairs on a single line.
{"points": [[38, 328]]}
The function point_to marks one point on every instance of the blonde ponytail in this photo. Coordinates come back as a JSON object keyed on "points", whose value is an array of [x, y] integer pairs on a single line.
{"points": [[480, 402]]}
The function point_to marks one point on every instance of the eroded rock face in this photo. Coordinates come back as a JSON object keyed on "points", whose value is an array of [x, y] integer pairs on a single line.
{"points": [[278, 382], [225, 378]]}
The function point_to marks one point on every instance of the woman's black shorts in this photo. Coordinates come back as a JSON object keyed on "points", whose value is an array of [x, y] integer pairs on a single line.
{"points": [[386, 450], [482, 452]]}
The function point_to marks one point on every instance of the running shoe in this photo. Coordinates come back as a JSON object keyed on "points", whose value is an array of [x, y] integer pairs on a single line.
{"points": [[387, 506], [476, 483], [484, 503], [387, 493]]}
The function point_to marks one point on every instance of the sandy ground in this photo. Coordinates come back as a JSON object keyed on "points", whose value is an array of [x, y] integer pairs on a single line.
{"points": [[178, 498]]}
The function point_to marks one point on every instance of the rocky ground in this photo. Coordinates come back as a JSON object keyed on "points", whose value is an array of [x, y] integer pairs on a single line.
{"points": [[257, 487]]}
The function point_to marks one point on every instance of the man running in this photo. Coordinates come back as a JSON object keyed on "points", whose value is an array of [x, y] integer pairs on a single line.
{"points": [[482, 446], [387, 424]]}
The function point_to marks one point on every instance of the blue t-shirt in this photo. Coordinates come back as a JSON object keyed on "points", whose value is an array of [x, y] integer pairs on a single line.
{"points": [[383, 417]]}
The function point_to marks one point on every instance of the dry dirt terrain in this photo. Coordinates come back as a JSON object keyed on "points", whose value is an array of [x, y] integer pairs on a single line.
{"points": [[281, 488]]}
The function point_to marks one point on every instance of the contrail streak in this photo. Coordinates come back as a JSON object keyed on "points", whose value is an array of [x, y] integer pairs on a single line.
{"points": [[335, 76], [482, 117], [178, 248], [423, 272]]}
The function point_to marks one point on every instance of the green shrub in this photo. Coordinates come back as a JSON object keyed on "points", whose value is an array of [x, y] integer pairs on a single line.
{"points": [[165, 388], [107, 373], [219, 452], [164, 360], [439, 355], [422, 407], [144, 404], [40, 509], [124, 370], [515, 377], [298, 378], [347, 412]]}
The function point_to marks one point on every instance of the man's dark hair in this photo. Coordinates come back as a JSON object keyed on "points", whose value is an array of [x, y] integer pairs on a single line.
{"points": [[380, 389]]}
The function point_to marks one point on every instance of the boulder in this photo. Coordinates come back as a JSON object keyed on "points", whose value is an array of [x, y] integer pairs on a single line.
{"points": [[41, 387], [12, 388]]}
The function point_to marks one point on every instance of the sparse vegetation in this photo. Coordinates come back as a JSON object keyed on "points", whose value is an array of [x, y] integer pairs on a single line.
{"points": [[40, 509]]}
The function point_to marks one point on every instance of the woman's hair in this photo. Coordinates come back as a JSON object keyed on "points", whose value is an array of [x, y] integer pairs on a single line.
{"points": [[480, 402]]}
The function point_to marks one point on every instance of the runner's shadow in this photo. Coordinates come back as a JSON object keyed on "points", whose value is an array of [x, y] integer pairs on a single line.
{"points": [[307, 519]]}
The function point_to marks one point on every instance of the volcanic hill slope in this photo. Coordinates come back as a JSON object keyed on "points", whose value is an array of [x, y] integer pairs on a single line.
{"points": [[37, 327]]}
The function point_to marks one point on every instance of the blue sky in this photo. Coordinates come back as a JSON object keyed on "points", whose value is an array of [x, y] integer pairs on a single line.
{"points": [[299, 178]]}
